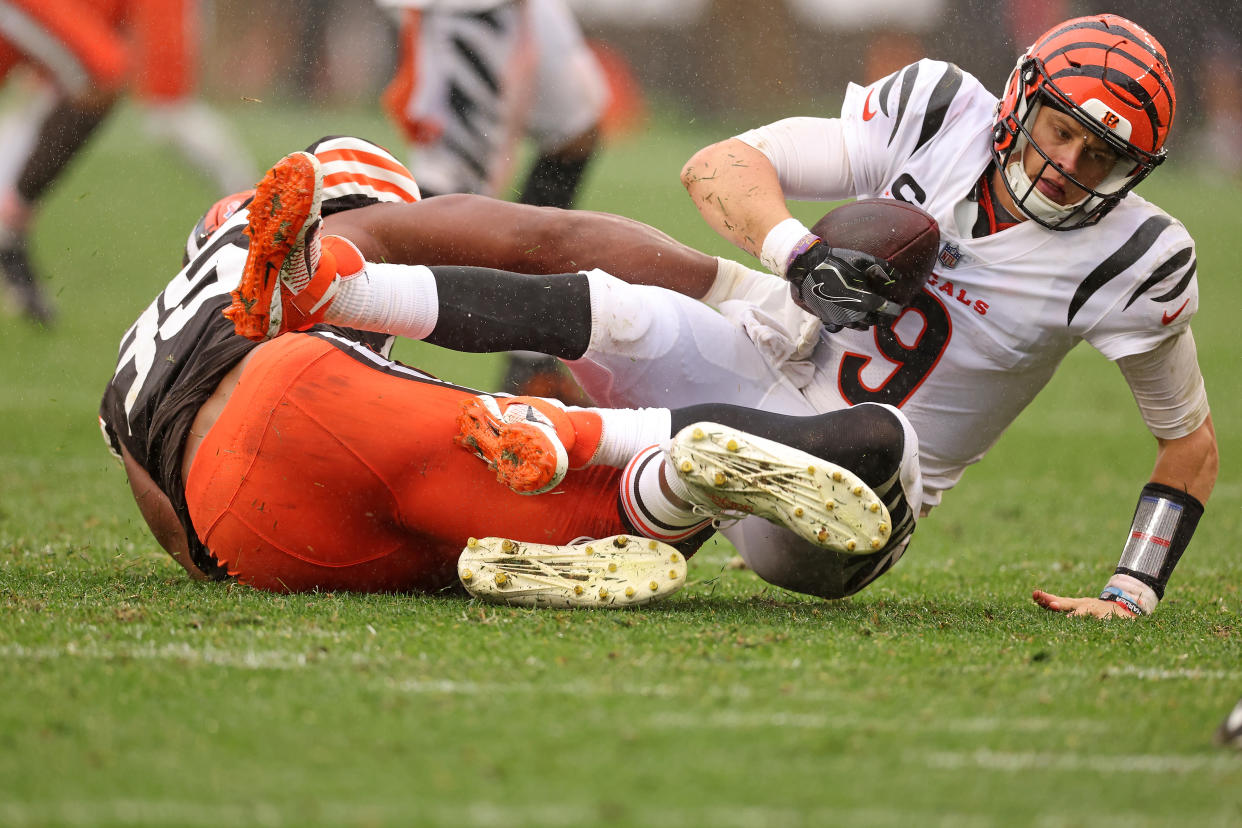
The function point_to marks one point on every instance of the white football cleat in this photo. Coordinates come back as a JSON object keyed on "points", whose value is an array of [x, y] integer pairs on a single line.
{"points": [[616, 572], [730, 471]]}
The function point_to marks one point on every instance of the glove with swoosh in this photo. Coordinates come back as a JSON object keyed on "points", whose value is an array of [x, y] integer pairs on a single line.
{"points": [[841, 286]]}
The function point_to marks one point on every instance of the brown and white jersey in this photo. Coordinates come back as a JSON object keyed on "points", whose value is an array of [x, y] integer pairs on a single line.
{"points": [[172, 358]]}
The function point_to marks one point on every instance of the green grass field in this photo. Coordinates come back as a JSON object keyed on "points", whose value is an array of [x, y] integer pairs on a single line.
{"points": [[940, 696]]}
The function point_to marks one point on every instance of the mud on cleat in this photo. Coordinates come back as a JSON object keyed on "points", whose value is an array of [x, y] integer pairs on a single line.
{"points": [[276, 292], [516, 439], [612, 573], [730, 471]]}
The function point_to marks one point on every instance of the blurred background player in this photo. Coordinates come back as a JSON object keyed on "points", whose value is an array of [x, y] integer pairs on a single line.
{"points": [[151, 44], [166, 38], [75, 46], [474, 78]]}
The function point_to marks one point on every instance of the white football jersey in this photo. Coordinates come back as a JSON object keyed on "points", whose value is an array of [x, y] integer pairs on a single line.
{"points": [[1000, 312]]}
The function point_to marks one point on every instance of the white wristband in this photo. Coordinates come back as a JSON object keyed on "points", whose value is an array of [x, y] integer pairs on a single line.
{"points": [[1139, 592], [779, 245]]}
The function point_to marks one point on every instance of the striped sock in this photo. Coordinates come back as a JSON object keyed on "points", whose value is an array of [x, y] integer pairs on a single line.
{"points": [[655, 500]]}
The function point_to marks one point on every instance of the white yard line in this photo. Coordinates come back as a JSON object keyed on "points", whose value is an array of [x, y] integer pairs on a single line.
{"points": [[483, 814], [1069, 762]]}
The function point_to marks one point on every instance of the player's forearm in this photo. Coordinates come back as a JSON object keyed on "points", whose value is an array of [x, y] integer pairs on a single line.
{"points": [[1189, 463], [1165, 519], [630, 250], [483, 232], [737, 191]]}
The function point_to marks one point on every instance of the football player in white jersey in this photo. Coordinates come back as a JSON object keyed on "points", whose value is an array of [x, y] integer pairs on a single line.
{"points": [[1043, 246]]}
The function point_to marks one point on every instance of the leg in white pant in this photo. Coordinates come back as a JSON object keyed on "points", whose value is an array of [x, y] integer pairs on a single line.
{"points": [[653, 347]]}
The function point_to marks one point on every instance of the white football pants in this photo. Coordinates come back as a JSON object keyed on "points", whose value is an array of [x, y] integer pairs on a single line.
{"points": [[653, 347]]}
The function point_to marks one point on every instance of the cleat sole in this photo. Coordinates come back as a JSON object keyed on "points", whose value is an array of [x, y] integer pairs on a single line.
{"points": [[609, 573], [728, 470]]}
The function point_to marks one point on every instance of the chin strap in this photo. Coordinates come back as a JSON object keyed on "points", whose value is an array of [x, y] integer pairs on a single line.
{"points": [[1164, 521]]}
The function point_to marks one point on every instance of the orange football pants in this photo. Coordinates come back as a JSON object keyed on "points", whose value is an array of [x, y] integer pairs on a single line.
{"points": [[323, 472]]}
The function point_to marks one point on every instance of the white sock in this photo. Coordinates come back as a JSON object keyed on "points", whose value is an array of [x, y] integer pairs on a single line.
{"points": [[655, 499], [627, 431], [388, 298]]}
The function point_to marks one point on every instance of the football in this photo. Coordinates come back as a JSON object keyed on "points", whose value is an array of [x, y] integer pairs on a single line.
{"points": [[903, 235]]}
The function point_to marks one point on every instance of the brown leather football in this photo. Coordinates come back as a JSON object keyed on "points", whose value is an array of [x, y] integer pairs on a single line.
{"points": [[905, 236]]}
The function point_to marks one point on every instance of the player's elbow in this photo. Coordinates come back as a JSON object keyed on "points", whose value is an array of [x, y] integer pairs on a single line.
{"points": [[701, 167]]}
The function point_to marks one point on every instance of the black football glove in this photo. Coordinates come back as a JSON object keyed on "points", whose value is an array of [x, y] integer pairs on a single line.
{"points": [[842, 287]]}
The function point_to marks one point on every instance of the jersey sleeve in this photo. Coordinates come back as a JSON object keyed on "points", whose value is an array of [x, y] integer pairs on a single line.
{"points": [[1151, 300], [888, 122]]}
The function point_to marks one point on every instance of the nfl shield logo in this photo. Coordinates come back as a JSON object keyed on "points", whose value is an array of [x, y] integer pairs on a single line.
{"points": [[950, 254]]}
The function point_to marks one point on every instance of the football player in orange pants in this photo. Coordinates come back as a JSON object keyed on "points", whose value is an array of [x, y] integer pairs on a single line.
{"points": [[315, 461]]}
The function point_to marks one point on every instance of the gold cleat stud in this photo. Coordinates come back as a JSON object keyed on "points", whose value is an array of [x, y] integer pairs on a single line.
{"points": [[830, 505], [507, 546], [731, 445], [810, 470], [501, 579], [823, 535], [578, 590], [857, 490], [652, 545], [473, 542], [874, 507], [603, 593], [629, 592], [686, 466], [698, 434], [876, 543], [672, 574], [466, 575], [590, 550], [620, 541], [612, 567], [798, 512], [837, 476], [653, 586], [674, 558], [882, 528], [849, 545], [720, 478]]}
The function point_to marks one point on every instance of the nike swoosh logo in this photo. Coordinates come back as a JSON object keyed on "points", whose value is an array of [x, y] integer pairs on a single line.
{"points": [[820, 289], [1167, 317], [868, 112]]}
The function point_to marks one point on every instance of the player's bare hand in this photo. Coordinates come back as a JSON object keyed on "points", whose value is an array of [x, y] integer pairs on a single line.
{"points": [[1093, 607]]}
